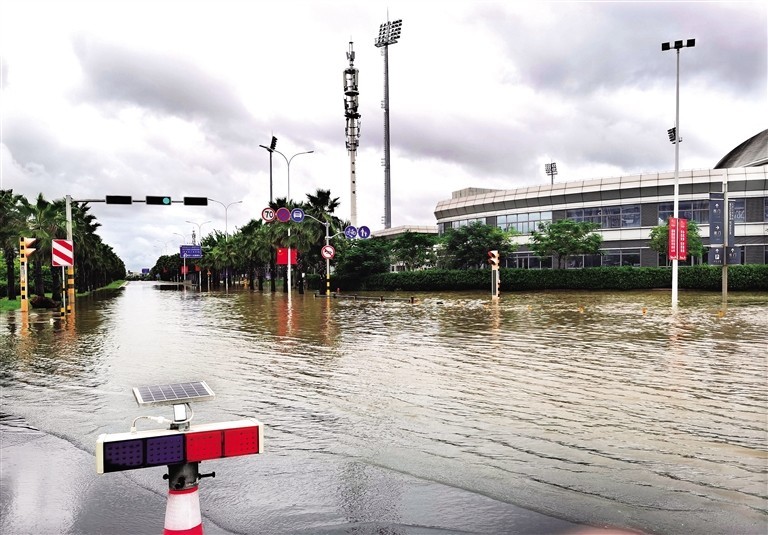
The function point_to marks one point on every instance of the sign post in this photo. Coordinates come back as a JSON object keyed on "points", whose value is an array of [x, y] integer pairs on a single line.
{"points": [[494, 261], [63, 255], [25, 251]]}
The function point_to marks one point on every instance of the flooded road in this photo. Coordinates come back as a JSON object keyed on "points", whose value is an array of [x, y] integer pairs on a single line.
{"points": [[433, 417]]}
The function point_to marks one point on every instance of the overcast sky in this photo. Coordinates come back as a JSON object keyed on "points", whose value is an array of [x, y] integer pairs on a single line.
{"points": [[174, 98]]}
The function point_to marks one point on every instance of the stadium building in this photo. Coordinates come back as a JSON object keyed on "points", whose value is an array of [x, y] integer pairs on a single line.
{"points": [[627, 208]]}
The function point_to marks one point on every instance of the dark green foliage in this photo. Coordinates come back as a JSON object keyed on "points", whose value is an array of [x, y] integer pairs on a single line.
{"points": [[363, 258], [740, 278], [565, 238], [467, 247]]}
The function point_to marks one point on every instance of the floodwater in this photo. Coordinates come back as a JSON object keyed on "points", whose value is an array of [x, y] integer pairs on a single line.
{"points": [[445, 415]]}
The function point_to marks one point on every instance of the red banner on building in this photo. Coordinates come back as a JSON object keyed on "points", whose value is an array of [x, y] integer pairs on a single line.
{"points": [[282, 256], [672, 239]]}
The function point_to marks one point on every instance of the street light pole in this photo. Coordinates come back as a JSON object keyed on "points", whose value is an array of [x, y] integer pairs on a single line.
{"points": [[226, 232], [327, 260], [288, 200], [677, 45]]}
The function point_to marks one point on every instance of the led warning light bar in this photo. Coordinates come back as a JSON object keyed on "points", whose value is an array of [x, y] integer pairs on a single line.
{"points": [[116, 452]]}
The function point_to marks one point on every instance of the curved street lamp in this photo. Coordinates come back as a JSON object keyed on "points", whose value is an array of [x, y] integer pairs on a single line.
{"points": [[288, 200]]}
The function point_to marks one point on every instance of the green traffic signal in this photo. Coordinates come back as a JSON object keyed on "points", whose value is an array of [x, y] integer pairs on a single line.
{"points": [[155, 199]]}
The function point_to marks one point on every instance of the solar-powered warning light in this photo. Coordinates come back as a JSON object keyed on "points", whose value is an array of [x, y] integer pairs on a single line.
{"points": [[181, 447]]}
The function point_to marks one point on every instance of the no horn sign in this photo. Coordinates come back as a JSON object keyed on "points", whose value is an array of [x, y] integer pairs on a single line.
{"points": [[328, 252]]}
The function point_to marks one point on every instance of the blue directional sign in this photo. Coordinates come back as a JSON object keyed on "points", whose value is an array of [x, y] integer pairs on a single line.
{"points": [[350, 232], [191, 251], [716, 218], [732, 255], [715, 256], [297, 215], [364, 232], [731, 222]]}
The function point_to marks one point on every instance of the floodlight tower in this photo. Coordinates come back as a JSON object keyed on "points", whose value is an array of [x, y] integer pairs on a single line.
{"points": [[389, 33], [551, 170], [352, 115]]}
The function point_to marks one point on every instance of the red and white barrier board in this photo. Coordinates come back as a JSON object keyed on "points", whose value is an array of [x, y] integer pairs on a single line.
{"points": [[63, 253]]}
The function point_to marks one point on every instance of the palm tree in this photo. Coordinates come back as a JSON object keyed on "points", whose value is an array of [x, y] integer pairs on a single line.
{"points": [[46, 220], [253, 245], [12, 224], [87, 246]]}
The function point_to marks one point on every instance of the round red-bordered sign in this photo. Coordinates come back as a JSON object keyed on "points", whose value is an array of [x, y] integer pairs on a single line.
{"points": [[283, 214], [327, 252], [268, 214]]}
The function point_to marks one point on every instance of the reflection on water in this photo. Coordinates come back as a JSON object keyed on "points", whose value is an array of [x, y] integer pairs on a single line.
{"points": [[597, 407]]}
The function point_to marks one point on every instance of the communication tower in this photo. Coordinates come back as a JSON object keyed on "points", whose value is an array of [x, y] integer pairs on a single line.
{"points": [[352, 114]]}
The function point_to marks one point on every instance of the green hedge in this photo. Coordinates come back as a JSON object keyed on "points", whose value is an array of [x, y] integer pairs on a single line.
{"points": [[748, 277]]}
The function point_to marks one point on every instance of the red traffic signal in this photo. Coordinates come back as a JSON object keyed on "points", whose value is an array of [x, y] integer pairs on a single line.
{"points": [[493, 258]]}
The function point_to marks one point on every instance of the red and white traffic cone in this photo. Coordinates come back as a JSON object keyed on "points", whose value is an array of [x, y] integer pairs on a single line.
{"points": [[182, 513]]}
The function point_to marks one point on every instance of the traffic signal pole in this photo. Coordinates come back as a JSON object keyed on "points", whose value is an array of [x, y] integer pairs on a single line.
{"points": [[494, 260]]}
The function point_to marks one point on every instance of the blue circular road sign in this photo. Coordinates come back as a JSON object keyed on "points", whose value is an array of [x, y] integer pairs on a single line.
{"points": [[350, 232], [297, 215], [364, 232]]}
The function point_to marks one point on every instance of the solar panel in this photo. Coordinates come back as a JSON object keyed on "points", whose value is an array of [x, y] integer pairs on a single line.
{"points": [[172, 393]]}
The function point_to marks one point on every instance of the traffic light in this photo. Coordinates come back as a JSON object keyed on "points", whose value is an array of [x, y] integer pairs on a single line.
{"points": [[119, 199], [161, 200], [24, 247], [196, 201], [273, 144], [493, 259]]}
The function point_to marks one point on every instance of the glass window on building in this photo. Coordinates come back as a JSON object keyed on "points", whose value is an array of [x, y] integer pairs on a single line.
{"points": [[530, 261], [621, 257], [607, 216], [765, 211], [523, 223]]}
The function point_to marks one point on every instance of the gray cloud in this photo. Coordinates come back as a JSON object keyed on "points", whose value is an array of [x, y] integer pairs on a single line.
{"points": [[157, 83], [589, 46]]}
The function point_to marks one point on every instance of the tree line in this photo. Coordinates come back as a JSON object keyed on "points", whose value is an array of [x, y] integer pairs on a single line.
{"points": [[96, 263], [249, 251]]}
